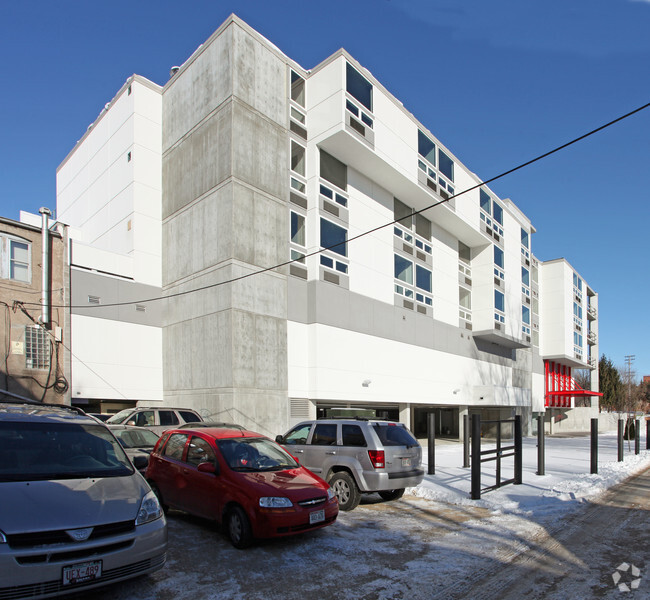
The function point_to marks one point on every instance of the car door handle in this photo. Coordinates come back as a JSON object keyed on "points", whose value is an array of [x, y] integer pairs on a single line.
{"points": [[299, 451], [331, 452]]}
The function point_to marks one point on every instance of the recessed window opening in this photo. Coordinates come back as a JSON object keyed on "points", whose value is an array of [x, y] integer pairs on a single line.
{"points": [[445, 165], [499, 306], [297, 89], [426, 149], [333, 170], [298, 116], [297, 229], [333, 237], [297, 158]]}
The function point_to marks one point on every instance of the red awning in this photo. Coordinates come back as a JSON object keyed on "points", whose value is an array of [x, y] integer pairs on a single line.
{"points": [[574, 393]]}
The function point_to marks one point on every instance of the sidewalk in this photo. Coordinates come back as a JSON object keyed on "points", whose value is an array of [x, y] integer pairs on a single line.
{"points": [[566, 483]]}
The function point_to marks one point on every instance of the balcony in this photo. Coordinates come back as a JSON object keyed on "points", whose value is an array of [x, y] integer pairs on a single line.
{"points": [[592, 338], [592, 313]]}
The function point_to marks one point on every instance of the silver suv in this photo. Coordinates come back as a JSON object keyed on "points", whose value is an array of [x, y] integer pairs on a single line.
{"points": [[357, 456], [74, 513], [156, 418]]}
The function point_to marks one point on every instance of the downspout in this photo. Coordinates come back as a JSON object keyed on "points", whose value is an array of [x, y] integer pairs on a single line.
{"points": [[45, 242]]}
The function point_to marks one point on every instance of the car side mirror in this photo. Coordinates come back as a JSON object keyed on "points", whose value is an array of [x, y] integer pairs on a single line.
{"points": [[279, 439], [140, 462], [207, 467]]}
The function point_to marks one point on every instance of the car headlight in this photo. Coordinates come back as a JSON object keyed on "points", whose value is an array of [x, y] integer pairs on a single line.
{"points": [[150, 509], [275, 502], [330, 493]]}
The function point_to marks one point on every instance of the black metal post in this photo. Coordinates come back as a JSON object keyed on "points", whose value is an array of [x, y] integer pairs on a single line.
{"points": [[476, 457], [432, 443], [519, 462], [498, 455], [637, 436], [621, 429], [541, 462], [594, 446], [466, 435], [647, 434]]}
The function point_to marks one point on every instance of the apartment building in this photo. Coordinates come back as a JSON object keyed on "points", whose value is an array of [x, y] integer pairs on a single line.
{"points": [[109, 194], [322, 252], [34, 293]]}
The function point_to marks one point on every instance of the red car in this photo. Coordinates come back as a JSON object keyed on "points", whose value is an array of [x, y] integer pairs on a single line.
{"points": [[241, 479]]}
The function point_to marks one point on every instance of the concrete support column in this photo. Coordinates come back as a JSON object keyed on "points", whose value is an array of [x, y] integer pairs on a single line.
{"points": [[462, 412], [405, 414]]}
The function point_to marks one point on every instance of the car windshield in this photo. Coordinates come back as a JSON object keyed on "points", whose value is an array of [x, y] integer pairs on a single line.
{"points": [[255, 454], [46, 451], [394, 434], [121, 416], [136, 438]]}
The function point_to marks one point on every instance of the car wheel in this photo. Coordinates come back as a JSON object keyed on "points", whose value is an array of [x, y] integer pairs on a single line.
{"points": [[155, 490], [346, 490], [239, 528], [392, 494]]}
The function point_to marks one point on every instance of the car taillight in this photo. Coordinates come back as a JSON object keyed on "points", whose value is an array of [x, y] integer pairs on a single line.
{"points": [[377, 458]]}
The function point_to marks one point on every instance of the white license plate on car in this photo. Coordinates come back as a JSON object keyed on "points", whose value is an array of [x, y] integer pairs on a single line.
{"points": [[406, 462], [316, 517], [82, 572]]}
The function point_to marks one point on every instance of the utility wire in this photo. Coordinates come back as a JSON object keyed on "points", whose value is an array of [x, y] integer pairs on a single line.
{"points": [[368, 232]]}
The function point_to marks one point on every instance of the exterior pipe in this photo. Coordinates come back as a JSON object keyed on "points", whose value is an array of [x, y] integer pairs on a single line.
{"points": [[45, 240]]}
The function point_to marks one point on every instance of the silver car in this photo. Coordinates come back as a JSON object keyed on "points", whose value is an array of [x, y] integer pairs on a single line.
{"points": [[74, 513], [357, 456], [156, 418]]}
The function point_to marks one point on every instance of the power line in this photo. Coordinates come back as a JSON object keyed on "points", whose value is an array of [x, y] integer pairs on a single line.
{"points": [[368, 232]]}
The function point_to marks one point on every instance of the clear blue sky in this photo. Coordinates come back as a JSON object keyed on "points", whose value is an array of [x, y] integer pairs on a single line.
{"points": [[498, 82]]}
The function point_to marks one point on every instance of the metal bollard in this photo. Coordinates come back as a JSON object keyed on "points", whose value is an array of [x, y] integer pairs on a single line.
{"points": [[476, 457], [432, 444], [541, 462], [637, 436], [621, 429], [466, 436], [594, 446]]}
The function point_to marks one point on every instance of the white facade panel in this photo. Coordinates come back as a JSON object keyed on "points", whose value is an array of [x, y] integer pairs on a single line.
{"points": [[116, 360]]}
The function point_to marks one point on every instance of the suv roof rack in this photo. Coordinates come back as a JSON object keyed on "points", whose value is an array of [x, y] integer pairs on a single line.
{"points": [[20, 400]]}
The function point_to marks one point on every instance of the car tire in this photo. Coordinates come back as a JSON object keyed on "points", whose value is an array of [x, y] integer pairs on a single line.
{"points": [[346, 490], [238, 528], [389, 495], [155, 490]]}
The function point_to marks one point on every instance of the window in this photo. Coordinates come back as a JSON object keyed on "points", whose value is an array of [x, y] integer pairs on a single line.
{"points": [[298, 436], [199, 451], [333, 237], [16, 263], [403, 214], [445, 165], [333, 170], [168, 417], [426, 148], [525, 315], [37, 348], [175, 446], [324, 435], [498, 257], [297, 229], [297, 158], [423, 226], [403, 269], [524, 239], [423, 278], [297, 89], [358, 86], [497, 213], [499, 301], [353, 436], [465, 298], [486, 202], [525, 276], [464, 252]]}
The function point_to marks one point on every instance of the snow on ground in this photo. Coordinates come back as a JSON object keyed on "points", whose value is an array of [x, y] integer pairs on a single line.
{"points": [[566, 483]]}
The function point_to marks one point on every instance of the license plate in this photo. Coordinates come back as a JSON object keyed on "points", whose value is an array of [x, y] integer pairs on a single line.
{"points": [[82, 572], [316, 517], [406, 462]]}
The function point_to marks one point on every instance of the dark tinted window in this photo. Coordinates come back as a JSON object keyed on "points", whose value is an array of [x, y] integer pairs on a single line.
{"points": [[426, 148], [333, 237], [175, 445], [144, 418], [324, 435], [168, 417], [353, 436], [189, 417], [446, 165], [358, 86], [392, 434]]}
